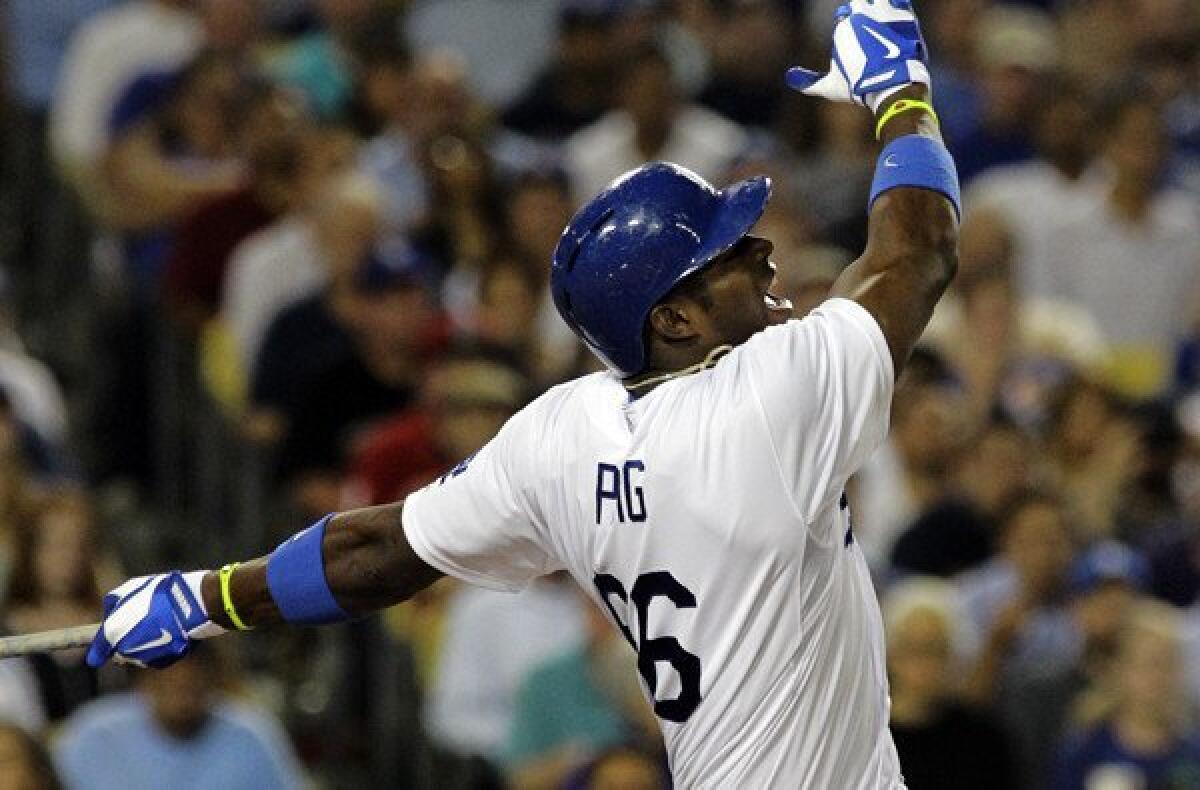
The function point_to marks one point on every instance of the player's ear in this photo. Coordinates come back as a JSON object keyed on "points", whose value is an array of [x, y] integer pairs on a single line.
{"points": [[672, 320]]}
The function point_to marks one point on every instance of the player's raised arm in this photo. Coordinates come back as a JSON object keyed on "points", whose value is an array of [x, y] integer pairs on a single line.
{"points": [[911, 253], [345, 564]]}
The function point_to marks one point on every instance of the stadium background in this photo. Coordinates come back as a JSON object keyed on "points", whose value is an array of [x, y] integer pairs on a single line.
{"points": [[263, 260]]}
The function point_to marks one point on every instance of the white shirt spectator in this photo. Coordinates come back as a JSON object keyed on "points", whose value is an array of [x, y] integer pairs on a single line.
{"points": [[34, 394], [1139, 281], [700, 140], [108, 53], [269, 271], [19, 700], [1035, 200], [504, 44], [493, 640]]}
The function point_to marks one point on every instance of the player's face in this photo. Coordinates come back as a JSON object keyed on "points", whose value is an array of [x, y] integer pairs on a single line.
{"points": [[739, 288]]}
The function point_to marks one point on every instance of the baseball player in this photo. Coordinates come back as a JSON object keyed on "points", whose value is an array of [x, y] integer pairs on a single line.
{"points": [[695, 489]]}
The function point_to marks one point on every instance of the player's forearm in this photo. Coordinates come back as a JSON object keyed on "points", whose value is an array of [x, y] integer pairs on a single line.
{"points": [[912, 245], [368, 565]]}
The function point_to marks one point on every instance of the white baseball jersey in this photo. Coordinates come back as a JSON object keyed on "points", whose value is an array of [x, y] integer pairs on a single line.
{"points": [[708, 519]]}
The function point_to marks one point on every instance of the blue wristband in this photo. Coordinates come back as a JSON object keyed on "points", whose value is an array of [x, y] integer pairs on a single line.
{"points": [[296, 579], [916, 161]]}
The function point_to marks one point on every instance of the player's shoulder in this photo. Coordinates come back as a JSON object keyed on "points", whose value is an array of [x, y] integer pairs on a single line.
{"points": [[562, 406], [573, 394]]}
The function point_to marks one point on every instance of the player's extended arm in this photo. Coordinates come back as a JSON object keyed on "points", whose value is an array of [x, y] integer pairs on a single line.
{"points": [[912, 246], [911, 256], [368, 565], [346, 564]]}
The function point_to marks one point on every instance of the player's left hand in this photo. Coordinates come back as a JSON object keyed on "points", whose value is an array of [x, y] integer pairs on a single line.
{"points": [[151, 621], [877, 50]]}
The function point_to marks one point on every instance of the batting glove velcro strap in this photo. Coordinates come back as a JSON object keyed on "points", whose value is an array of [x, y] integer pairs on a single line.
{"points": [[877, 51], [151, 621]]}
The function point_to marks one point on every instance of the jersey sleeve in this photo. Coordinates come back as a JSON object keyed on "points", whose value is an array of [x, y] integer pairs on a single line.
{"points": [[477, 523], [825, 386]]}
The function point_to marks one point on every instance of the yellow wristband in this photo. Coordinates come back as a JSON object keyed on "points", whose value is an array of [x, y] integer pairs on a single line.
{"points": [[903, 105], [225, 575]]}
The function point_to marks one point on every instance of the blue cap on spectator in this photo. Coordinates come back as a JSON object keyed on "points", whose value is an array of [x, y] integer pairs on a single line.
{"points": [[1108, 561], [394, 264], [144, 96]]}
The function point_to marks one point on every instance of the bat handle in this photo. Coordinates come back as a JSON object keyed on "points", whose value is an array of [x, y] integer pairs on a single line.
{"points": [[45, 641]]}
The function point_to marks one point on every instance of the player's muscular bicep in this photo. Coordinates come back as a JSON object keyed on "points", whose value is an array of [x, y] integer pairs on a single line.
{"points": [[911, 257], [368, 561]]}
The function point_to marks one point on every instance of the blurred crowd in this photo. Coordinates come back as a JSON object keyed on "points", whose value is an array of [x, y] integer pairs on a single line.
{"points": [[265, 259]]}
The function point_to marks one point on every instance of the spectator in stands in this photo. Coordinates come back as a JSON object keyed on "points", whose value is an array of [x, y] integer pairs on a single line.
{"points": [[391, 95], [466, 397], [20, 700], [1003, 344], [172, 146], [333, 216], [464, 230], [274, 139], [1031, 199], [1175, 558], [29, 427], [574, 705], [320, 64], [1016, 51], [176, 723], [752, 48], [1017, 601], [958, 532], [108, 53], [1138, 733], [24, 762], [59, 572], [1144, 311], [1095, 452], [1105, 585], [493, 640], [941, 741], [575, 88], [508, 301], [292, 331], [397, 328], [651, 121]]}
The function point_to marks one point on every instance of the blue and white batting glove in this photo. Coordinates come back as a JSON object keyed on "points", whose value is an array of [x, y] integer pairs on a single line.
{"points": [[151, 621], [877, 51]]}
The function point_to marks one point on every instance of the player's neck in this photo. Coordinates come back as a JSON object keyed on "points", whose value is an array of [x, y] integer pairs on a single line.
{"points": [[645, 382]]}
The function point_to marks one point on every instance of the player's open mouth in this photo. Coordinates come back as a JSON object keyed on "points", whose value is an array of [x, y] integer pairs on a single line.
{"points": [[777, 302]]}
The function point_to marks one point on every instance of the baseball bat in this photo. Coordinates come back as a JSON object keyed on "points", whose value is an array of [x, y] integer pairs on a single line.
{"points": [[42, 641]]}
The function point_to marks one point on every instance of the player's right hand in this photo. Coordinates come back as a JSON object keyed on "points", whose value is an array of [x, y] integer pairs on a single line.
{"points": [[877, 51], [151, 621]]}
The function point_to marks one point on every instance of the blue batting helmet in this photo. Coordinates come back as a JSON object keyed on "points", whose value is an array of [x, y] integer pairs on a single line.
{"points": [[634, 242]]}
